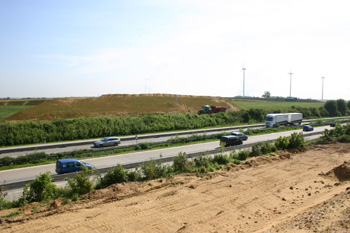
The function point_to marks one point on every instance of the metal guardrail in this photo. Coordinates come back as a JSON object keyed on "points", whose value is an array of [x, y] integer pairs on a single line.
{"points": [[62, 177]]}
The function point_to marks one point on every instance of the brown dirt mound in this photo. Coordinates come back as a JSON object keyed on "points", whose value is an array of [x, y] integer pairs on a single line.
{"points": [[341, 172]]}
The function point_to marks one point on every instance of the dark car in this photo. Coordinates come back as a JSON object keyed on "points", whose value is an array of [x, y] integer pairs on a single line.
{"points": [[333, 124], [308, 128], [70, 165], [242, 136], [108, 141], [230, 140]]}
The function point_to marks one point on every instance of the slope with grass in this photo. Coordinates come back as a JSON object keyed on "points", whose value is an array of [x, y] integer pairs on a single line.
{"points": [[118, 105], [275, 105]]}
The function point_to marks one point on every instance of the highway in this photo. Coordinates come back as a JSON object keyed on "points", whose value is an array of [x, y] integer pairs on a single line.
{"points": [[15, 175]]}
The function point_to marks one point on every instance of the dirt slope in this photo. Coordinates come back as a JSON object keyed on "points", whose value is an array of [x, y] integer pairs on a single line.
{"points": [[303, 192]]}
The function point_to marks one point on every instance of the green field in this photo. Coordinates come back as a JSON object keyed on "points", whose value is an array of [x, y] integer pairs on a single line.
{"points": [[9, 110], [275, 105]]}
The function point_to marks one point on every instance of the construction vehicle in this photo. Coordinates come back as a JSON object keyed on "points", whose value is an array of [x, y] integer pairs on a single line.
{"points": [[211, 109], [278, 119]]}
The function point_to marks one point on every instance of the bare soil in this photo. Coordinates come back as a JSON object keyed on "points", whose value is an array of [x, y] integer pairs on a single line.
{"points": [[298, 192]]}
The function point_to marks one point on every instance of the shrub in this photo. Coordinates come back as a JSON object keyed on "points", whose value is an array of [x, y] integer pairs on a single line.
{"points": [[81, 183], [221, 159], [243, 155], [181, 164], [202, 161], [40, 189], [344, 138], [114, 175], [282, 143], [256, 149], [296, 141], [154, 169]]}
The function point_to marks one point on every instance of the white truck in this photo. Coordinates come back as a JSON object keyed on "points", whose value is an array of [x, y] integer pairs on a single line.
{"points": [[277, 119]]}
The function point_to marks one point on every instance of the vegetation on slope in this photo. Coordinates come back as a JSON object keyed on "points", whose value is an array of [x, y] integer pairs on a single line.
{"points": [[118, 105]]}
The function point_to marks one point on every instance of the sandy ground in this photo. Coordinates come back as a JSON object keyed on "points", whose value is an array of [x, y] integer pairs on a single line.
{"points": [[299, 192]]}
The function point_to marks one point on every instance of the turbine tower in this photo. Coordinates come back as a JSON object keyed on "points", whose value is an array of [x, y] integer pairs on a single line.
{"points": [[290, 87], [243, 78], [322, 86]]}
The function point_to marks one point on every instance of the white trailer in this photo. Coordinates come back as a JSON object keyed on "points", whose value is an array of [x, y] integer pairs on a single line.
{"points": [[277, 119]]}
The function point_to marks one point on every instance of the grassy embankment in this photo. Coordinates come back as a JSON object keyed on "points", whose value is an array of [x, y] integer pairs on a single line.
{"points": [[9, 108], [118, 105], [275, 105]]}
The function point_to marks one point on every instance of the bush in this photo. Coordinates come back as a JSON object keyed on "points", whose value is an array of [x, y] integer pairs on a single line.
{"points": [[154, 169], [296, 141], [40, 189], [114, 175], [256, 149], [81, 183], [282, 143], [202, 161], [243, 155], [344, 138], [181, 164], [221, 159]]}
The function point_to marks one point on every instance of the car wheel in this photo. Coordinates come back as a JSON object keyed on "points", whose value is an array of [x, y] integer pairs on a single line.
{"points": [[101, 145]]}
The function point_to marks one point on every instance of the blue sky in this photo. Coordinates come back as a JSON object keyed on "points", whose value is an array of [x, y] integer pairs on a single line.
{"points": [[191, 47]]}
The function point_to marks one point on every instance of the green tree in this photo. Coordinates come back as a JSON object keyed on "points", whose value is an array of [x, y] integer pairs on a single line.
{"points": [[266, 94], [341, 105], [331, 107], [40, 189], [81, 183]]}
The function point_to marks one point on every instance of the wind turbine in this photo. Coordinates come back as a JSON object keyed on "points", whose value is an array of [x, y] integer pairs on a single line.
{"points": [[322, 85], [243, 77], [290, 87]]}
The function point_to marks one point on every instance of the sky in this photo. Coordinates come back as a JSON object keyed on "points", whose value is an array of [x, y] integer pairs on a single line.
{"points": [[65, 48]]}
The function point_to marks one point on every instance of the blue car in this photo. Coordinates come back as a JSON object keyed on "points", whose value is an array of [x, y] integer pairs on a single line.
{"points": [[308, 128], [70, 165]]}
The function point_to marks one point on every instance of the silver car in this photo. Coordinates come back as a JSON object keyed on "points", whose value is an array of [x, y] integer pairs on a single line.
{"points": [[107, 141]]}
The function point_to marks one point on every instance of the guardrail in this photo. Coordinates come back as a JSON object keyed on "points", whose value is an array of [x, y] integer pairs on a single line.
{"points": [[62, 177]]}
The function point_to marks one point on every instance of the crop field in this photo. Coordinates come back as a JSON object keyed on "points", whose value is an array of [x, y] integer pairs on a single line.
{"points": [[275, 105], [9, 110], [118, 105]]}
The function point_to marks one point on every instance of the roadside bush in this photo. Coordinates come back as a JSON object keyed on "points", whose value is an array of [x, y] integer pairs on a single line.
{"points": [[81, 183], [154, 169], [344, 138], [243, 155], [143, 146], [114, 175], [256, 149], [282, 143], [202, 161], [221, 159], [40, 189], [296, 141], [181, 164]]}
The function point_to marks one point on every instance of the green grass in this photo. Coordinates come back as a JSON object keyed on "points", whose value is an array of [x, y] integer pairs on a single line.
{"points": [[9, 110], [275, 105]]}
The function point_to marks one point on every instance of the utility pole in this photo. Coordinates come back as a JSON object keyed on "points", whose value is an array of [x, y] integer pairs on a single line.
{"points": [[322, 86], [290, 88], [243, 78]]}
